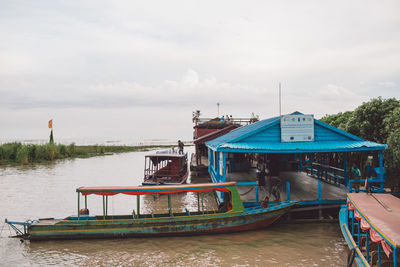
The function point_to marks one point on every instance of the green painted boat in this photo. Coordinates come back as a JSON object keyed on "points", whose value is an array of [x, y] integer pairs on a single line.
{"points": [[231, 216]]}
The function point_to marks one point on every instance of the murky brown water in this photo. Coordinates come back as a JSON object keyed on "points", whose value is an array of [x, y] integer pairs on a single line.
{"points": [[49, 191]]}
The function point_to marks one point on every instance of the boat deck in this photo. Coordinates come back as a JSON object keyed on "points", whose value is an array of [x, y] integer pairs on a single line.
{"points": [[302, 187]]}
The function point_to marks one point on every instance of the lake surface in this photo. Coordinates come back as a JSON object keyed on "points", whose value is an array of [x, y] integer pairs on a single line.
{"points": [[49, 191]]}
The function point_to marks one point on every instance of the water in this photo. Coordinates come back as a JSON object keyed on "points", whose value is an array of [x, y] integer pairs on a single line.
{"points": [[49, 191]]}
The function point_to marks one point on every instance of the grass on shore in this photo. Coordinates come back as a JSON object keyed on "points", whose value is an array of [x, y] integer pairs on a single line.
{"points": [[17, 153]]}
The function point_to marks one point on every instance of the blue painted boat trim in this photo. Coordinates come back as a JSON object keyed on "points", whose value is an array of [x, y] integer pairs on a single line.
{"points": [[343, 221]]}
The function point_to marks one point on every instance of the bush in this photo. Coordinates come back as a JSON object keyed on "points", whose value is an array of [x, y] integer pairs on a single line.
{"points": [[71, 149], [22, 155], [62, 150]]}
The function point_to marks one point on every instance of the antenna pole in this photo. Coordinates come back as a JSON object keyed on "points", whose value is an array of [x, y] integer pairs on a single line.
{"points": [[280, 102]]}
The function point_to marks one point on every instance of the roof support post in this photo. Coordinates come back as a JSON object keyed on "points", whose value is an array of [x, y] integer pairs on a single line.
{"points": [[169, 205], [346, 178], [379, 255], [380, 166], [85, 202], [287, 190], [311, 164], [104, 208], [319, 191], [138, 205], [209, 161], [300, 162], [79, 206], [106, 205], [224, 170], [198, 201], [257, 196], [359, 233], [367, 244]]}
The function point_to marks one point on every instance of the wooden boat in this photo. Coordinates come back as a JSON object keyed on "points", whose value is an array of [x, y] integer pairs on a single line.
{"points": [[165, 169], [232, 216], [370, 224]]}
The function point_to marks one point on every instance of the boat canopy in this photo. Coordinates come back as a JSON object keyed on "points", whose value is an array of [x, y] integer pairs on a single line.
{"points": [[145, 190], [157, 158], [380, 212]]}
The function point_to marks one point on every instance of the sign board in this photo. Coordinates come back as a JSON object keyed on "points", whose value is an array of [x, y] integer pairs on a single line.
{"points": [[297, 128]]}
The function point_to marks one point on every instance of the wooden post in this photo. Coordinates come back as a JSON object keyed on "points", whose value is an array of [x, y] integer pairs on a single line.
{"points": [[85, 202], [79, 207], [138, 205], [287, 190]]}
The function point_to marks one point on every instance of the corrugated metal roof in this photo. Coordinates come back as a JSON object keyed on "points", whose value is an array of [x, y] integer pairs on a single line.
{"points": [[264, 136], [322, 146], [243, 132]]}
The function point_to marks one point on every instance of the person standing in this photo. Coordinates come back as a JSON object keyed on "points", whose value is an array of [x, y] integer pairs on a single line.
{"points": [[180, 146], [356, 176]]}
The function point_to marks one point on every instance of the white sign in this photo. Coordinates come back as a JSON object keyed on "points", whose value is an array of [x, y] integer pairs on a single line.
{"points": [[297, 128]]}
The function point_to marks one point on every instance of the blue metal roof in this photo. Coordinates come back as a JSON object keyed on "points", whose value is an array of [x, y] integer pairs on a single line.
{"points": [[265, 137]]}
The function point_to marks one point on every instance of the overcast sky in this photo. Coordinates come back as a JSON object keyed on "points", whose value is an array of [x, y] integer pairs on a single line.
{"points": [[137, 69]]}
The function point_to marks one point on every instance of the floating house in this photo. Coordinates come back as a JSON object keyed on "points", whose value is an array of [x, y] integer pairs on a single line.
{"points": [[206, 129], [303, 148]]}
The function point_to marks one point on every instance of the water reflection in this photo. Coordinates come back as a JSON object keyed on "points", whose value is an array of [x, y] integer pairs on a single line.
{"points": [[49, 191]]}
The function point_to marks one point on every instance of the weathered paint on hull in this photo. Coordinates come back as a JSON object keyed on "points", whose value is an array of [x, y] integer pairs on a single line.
{"points": [[173, 226], [181, 181]]}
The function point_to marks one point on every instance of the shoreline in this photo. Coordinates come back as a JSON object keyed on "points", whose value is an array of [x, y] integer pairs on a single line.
{"points": [[16, 154]]}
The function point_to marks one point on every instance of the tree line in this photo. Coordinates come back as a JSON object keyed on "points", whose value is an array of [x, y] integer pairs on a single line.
{"points": [[377, 120]]}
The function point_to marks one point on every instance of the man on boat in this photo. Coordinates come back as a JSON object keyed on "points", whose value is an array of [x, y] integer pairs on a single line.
{"points": [[274, 181], [180, 146]]}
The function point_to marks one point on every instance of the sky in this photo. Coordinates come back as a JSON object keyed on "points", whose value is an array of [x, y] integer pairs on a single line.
{"points": [[116, 70]]}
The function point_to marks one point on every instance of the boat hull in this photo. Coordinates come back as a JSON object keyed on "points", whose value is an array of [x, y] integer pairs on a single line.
{"points": [[152, 227], [359, 258]]}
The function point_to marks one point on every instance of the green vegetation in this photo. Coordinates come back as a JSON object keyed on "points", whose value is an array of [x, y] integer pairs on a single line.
{"points": [[377, 120], [17, 153]]}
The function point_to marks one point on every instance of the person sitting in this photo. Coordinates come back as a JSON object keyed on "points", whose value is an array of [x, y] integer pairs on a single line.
{"points": [[274, 183], [265, 202]]}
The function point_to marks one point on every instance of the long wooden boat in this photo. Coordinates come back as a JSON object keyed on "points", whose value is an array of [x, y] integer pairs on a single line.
{"points": [[165, 169], [370, 224], [232, 216]]}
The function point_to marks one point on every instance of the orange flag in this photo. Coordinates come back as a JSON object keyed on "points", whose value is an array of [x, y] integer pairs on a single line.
{"points": [[50, 124]]}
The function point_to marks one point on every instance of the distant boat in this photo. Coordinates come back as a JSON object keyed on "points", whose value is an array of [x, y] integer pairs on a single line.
{"points": [[231, 216], [165, 168]]}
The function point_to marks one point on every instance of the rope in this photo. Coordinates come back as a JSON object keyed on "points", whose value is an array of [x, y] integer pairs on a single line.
{"points": [[247, 191], [2, 228], [383, 205]]}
